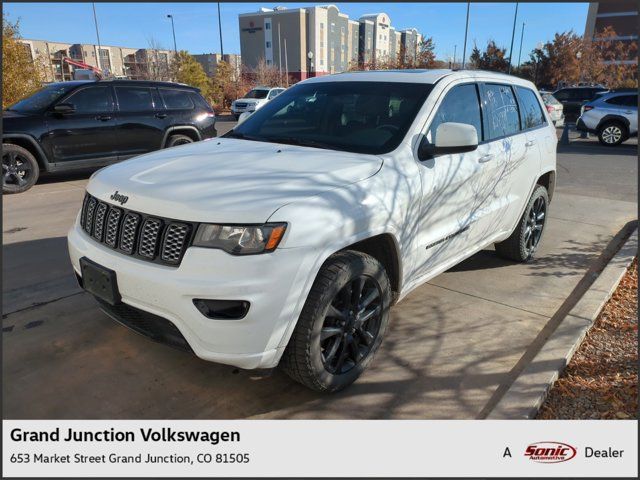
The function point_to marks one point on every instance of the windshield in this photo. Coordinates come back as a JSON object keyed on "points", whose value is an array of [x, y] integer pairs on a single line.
{"points": [[41, 99], [361, 117], [257, 93]]}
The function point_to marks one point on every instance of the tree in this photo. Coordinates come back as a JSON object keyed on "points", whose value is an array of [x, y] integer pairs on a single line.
{"points": [[426, 56], [493, 58], [185, 69], [603, 56], [21, 75], [474, 58], [157, 62]]}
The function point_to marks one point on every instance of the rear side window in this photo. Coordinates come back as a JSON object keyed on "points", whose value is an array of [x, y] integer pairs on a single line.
{"points": [[134, 99], [531, 114], [176, 99], [625, 100], [199, 101], [460, 105], [92, 100], [501, 111]]}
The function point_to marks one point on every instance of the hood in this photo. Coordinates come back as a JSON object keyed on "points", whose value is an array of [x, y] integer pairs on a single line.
{"points": [[251, 100], [16, 122], [228, 180], [11, 114]]}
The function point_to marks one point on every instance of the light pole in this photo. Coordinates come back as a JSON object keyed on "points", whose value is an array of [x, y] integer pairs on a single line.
{"points": [[521, 37], [95, 20], [173, 29], [513, 34], [466, 30], [220, 30], [454, 55]]}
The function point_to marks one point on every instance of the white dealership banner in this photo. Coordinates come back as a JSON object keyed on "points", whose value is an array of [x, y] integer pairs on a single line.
{"points": [[321, 448]]}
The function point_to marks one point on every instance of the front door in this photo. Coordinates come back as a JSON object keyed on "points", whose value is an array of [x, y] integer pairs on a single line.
{"points": [[142, 120], [457, 189], [87, 133]]}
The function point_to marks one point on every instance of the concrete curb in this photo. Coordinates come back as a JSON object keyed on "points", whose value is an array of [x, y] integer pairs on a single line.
{"points": [[529, 390]]}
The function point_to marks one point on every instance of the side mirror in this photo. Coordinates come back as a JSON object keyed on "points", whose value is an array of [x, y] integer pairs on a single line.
{"points": [[243, 117], [64, 108], [451, 137]]}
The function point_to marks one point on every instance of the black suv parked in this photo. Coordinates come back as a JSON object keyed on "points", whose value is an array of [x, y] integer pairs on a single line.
{"points": [[83, 124], [572, 99]]}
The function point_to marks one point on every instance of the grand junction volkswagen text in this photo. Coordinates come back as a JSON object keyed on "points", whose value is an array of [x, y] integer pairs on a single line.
{"points": [[287, 240]]}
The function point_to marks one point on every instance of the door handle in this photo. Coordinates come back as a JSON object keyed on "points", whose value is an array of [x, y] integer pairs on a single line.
{"points": [[530, 143], [161, 115], [485, 158], [103, 118]]}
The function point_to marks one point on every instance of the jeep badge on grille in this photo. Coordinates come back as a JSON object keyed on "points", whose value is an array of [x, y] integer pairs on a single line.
{"points": [[117, 197]]}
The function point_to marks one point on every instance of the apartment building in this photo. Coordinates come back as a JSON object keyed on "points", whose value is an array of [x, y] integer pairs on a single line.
{"points": [[210, 61], [119, 62], [410, 40], [320, 40], [621, 15]]}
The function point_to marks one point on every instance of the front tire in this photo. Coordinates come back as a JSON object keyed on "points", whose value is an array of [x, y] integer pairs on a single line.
{"points": [[342, 323], [525, 239], [20, 169], [612, 133]]}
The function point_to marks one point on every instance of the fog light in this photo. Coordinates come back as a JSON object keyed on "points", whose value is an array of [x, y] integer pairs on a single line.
{"points": [[222, 309]]}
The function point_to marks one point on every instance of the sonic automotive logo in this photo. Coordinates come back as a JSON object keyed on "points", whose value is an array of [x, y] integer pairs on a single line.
{"points": [[550, 452]]}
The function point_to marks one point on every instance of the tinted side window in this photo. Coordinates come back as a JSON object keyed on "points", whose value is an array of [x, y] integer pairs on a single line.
{"points": [[626, 100], [460, 105], [134, 99], [92, 100], [530, 110], [176, 99], [199, 101], [561, 95], [501, 111]]}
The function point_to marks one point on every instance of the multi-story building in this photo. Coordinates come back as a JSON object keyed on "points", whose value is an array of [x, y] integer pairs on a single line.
{"points": [[410, 42], [318, 40], [621, 15], [210, 61], [123, 62]]}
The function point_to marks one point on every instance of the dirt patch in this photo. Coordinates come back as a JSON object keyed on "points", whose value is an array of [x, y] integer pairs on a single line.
{"points": [[601, 380]]}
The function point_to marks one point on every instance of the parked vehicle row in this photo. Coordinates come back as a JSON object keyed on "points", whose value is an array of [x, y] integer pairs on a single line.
{"points": [[288, 239], [573, 98], [554, 107], [81, 124], [612, 116]]}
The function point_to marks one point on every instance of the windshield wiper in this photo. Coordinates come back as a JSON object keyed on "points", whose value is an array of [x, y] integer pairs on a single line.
{"points": [[302, 142]]}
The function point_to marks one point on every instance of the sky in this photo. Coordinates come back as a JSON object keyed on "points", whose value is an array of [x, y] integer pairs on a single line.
{"points": [[196, 24]]}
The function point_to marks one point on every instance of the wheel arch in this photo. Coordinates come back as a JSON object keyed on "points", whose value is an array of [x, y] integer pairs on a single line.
{"points": [[29, 143], [188, 130], [614, 118], [548, 181]]}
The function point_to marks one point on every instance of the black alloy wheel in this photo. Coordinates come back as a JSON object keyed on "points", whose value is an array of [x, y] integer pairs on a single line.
{"points": [[535, 224], [19, 169], [351, 325]]}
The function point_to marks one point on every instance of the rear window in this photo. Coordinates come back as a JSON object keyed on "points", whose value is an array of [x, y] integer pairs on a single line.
{"points": [[531, 114], [176, 99], [502, 111], [134, 99]]}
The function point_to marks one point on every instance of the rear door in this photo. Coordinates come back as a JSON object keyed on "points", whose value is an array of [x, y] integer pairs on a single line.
{"points": [[509, 156], [89, 133], [141, 120], [179, 105]]}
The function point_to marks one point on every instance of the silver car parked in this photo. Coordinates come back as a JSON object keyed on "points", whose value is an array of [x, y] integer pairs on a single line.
{"points": [[612, 116]]}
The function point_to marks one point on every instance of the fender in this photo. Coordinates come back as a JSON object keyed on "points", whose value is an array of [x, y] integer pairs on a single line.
{"points": [[617, 118], [41, 157], [179, 127]]}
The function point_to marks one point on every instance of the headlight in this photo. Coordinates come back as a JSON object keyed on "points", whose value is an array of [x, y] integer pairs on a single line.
{"points": [[240, 239]]}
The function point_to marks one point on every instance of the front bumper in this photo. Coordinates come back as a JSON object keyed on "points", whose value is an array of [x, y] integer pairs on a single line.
{"points": [[582, 127], [275, 284]]}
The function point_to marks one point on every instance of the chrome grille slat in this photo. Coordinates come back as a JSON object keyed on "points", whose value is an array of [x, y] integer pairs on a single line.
{"points": [[149, 237], [146, 237], [113, 222], [174, 242], [101, 216]]}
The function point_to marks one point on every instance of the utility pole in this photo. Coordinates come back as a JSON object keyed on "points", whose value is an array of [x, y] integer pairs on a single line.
{"points": [[173, 29], [95, 20], [220, 30], [286, 63], [454, 55], [513, 33], [279, 52], [521, 37], [466, 31]]}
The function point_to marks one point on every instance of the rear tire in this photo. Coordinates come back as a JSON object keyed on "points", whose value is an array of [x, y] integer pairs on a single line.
{"points": [[612, 133], [342, 323], [175, 140], [20, 170], [525, 239]]}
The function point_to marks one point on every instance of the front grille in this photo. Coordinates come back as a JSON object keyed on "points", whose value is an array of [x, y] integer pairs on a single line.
{"points": [[152, 326], [159, 240], [241, 105]]}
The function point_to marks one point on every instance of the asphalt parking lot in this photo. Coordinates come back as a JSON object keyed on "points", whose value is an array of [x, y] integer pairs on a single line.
{"points": [[454, 344]]}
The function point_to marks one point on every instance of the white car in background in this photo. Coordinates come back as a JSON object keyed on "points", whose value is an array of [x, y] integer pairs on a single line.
{"points": [[255, 99], [287, 240]]}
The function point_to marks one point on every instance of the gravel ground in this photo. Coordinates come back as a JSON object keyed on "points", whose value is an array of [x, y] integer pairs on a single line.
{"points": [[601, 380]]}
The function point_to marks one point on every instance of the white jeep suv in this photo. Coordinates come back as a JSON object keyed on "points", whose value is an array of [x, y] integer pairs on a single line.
{"points": [[288, 240], [254, 100]]}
